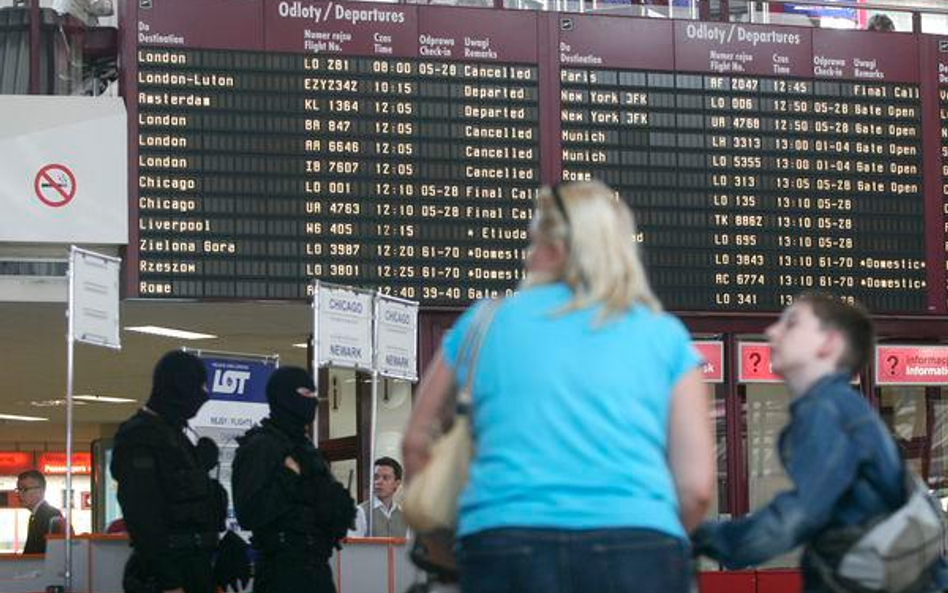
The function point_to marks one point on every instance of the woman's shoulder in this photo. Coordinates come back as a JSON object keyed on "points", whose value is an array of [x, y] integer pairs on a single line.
{"points": [[553, 292]]}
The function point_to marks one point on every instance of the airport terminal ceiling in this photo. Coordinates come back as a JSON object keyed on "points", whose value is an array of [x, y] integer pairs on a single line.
{"points": [[33, 366]]}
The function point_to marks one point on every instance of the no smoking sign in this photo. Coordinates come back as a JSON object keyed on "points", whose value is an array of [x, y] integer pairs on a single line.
{"points": [[55, 185]]}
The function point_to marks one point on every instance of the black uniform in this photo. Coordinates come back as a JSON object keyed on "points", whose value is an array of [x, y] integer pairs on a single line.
{"points": [[172, 508], [296, 518]]}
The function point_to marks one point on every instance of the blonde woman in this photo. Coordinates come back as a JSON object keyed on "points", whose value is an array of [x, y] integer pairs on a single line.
{"points": [[594, 453]]}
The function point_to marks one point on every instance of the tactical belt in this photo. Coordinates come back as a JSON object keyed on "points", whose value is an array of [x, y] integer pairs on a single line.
{"points": [[187, 541], [274, 541]]}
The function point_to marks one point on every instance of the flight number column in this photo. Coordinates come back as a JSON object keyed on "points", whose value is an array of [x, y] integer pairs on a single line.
{"points": [[356, 158], [736, 164]]}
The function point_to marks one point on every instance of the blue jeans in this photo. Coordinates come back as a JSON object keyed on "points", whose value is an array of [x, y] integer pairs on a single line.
{"points": [[522, 560]]}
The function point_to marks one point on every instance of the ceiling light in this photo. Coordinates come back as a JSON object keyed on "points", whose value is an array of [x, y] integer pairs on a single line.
{"points": [[23, 418], [104, 399], [169, 332], [51, 403]]}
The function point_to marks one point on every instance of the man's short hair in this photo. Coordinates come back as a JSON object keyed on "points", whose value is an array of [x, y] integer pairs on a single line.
{"points": [[851, 320], [880, 22], [389, 462], [32, 474]]}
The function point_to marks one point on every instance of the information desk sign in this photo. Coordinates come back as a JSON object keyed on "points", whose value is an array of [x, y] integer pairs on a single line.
{"points": [[54, 463], [712, 351], [343, 320], [396, 344], [911, 365], [753, 363]]}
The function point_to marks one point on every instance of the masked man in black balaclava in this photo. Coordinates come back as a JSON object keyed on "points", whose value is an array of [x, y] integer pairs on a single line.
{"points": [[172, 508], [284, 493]]}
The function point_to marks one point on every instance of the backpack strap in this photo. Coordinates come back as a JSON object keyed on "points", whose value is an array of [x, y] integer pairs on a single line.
{"points": [[827, 572]]}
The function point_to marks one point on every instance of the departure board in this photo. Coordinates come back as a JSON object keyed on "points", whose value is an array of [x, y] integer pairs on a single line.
{"points": [[942, 86], [261, 170], [401, 147], [752, 186]]}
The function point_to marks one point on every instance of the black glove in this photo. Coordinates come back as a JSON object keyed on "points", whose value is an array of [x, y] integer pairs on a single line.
{"points": [[233, 562], [207, 453], [138, 580], [335, 509], [310, 463]]}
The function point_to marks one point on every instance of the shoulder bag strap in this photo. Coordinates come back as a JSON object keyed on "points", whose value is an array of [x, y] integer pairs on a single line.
{"points": [[470, 349]]}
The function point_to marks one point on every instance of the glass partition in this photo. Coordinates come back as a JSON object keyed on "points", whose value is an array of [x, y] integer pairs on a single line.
{"points": [[918, 419], [766, 412]]}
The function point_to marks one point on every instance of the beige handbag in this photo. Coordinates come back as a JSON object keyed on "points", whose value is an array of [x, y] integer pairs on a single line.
{"points": [[431, 498]]}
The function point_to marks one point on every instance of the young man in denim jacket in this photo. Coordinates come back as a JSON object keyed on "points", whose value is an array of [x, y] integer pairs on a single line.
{"points": [[844, 466]]}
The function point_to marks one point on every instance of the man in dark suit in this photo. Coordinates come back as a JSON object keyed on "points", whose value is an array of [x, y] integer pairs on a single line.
{"points": [[44, 519]]}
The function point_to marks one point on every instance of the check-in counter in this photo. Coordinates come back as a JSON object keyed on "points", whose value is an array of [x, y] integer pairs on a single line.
{"points": [[364, 565], [374, 565], [19, 572], [97, 563]]}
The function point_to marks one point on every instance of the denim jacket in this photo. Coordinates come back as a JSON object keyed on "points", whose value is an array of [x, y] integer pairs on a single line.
{"points": [[844, 468]]}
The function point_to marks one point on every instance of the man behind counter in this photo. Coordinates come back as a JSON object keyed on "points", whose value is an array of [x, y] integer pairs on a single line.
{"points": [[387, 518], [44, 518]]}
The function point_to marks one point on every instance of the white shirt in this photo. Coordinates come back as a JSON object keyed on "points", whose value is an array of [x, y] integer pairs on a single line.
{"points": [[362, 523]]}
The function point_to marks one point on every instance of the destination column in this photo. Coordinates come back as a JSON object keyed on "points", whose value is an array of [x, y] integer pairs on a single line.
{"points": [[190, 177], [943, 161], [620, 123]]}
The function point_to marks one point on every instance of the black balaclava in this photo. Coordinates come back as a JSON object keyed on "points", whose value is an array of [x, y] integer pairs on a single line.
{"points": [[178, 387], [289, 410]]}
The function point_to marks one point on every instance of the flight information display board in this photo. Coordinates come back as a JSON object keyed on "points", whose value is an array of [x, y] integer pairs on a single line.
{"points": [[752, 186], [942, 143], [401, 147], [397, 169]]}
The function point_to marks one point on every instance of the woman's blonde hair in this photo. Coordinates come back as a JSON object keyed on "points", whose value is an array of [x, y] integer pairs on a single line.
{"points": [[603, 265]]}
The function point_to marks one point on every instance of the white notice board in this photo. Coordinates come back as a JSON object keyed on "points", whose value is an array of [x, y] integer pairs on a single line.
{"points": [[94, 298], [397, 338], [343, 326]]}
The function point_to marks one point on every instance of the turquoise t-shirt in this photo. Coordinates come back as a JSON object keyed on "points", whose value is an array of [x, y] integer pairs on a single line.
{"points": [[570, 417]]}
